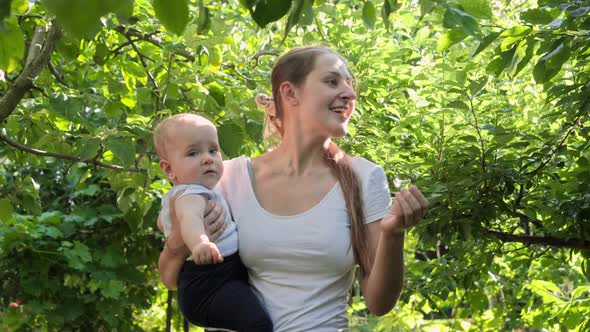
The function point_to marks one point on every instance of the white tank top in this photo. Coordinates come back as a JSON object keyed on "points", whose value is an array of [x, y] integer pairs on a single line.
{"points": [[302, 266]]}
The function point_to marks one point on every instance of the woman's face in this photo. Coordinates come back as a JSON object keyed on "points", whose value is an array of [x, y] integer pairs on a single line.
{"points": [[326, 99]]}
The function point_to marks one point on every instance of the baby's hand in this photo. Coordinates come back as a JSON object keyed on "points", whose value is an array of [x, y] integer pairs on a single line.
{"points": [[206, 252]]}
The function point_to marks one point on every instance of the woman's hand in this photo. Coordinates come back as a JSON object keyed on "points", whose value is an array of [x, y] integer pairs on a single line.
{"points": [[214, 220], [407, 211]]}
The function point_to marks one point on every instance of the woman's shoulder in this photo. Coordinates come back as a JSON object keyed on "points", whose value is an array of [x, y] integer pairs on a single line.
{"points": [[233, 170], [364, 166], [234, 162]]}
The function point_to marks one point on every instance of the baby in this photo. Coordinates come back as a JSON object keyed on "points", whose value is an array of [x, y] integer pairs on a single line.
{"points": [[213, 289]]}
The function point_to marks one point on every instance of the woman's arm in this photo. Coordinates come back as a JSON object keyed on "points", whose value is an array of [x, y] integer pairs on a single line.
{"points": [[383, 284], [172, 258], [175, 252]]}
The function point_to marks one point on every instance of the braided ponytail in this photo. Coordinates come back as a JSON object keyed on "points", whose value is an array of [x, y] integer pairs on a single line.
{"points": [[341, 165]]}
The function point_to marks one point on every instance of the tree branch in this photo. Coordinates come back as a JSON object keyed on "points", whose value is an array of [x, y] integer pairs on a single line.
{"points": [[25, 148], [58, 76], [149, 37], [538, 240], [32, 69], [554, 152]]}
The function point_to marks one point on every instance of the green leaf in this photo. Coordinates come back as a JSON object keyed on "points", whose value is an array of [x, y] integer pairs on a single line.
{"points": [[478, 300], [307, 13], [527, 57], [12, 46], [4, 11], [125, 11], [78, 256], [249, 4], [580, 291], [123, 148], [456, 18], [385, 12], [19, 7], [6, 209], [557, 57], [136, 70], [582, 11], [81, 17], [476, 8], [550, 64], [426, 7], [112, 289], [517, 31], [450, 38], [268, 11], [204, 19], [254, 130], [294, 16], [216, 91], [547, 290], [53, 232], [485, 42], [173, 14], [231, 138], [476, 86], [502, 62], [540, 15], [541, 73], [457, 104], [101, 53], [110, 257], [215, 59], [369, 14]]}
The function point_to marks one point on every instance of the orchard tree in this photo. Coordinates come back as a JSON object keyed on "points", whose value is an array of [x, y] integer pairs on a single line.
{"points": [[482, 105]]}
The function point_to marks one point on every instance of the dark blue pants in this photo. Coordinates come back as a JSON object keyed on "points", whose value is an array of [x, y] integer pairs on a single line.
{"points": [[218, 295]]}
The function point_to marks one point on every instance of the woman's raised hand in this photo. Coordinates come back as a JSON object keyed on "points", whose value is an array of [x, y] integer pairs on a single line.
{"points": [[407, 211]]}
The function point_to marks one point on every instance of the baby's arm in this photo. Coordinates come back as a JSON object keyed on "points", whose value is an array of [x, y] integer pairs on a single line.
{"points": [[190, 210]]}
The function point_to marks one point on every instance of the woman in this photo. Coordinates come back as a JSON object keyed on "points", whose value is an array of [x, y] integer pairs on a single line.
{"points": [[306, 212]]}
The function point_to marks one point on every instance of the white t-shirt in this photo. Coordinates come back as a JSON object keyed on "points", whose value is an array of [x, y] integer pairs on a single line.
{"points": [[227, 243], [302, 266]]}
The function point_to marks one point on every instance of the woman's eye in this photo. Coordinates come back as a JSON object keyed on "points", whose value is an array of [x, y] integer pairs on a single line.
{"points": [[333, 82]]}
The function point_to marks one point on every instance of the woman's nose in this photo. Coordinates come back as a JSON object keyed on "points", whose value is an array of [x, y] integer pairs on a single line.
{"points": [[348, 93]]}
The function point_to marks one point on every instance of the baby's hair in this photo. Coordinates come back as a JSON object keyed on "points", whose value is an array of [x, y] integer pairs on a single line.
{"points": [[162, 131]]}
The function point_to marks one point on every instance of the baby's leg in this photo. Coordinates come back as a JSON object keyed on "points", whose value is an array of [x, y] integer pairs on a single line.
{"points": [[234, 306]]}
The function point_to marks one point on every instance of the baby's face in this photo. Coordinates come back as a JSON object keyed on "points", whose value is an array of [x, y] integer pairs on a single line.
{"points": [[193, 155]]}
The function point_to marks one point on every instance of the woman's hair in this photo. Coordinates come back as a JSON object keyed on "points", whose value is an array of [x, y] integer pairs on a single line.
{"points": [[294, 66]]}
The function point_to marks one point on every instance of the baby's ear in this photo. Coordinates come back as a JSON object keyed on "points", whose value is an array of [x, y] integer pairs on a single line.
{"points": [[167, 169]]}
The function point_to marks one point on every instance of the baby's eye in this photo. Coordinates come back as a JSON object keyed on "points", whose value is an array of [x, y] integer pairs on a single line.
{"points": [[192, 154], [213, 150]]}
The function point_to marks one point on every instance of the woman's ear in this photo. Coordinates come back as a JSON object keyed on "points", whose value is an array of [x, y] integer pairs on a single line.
{"points": [[289, 93]]}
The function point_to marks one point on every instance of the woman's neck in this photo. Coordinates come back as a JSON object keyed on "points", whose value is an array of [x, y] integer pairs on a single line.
{"points": [[301, 155]]}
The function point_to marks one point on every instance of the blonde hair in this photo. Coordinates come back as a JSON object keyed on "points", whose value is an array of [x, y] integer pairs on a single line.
{"points": [[294, 66], [163, 130]]}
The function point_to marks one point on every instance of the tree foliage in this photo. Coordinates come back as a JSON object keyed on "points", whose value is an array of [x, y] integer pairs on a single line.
{"points": [[483, 106]]}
